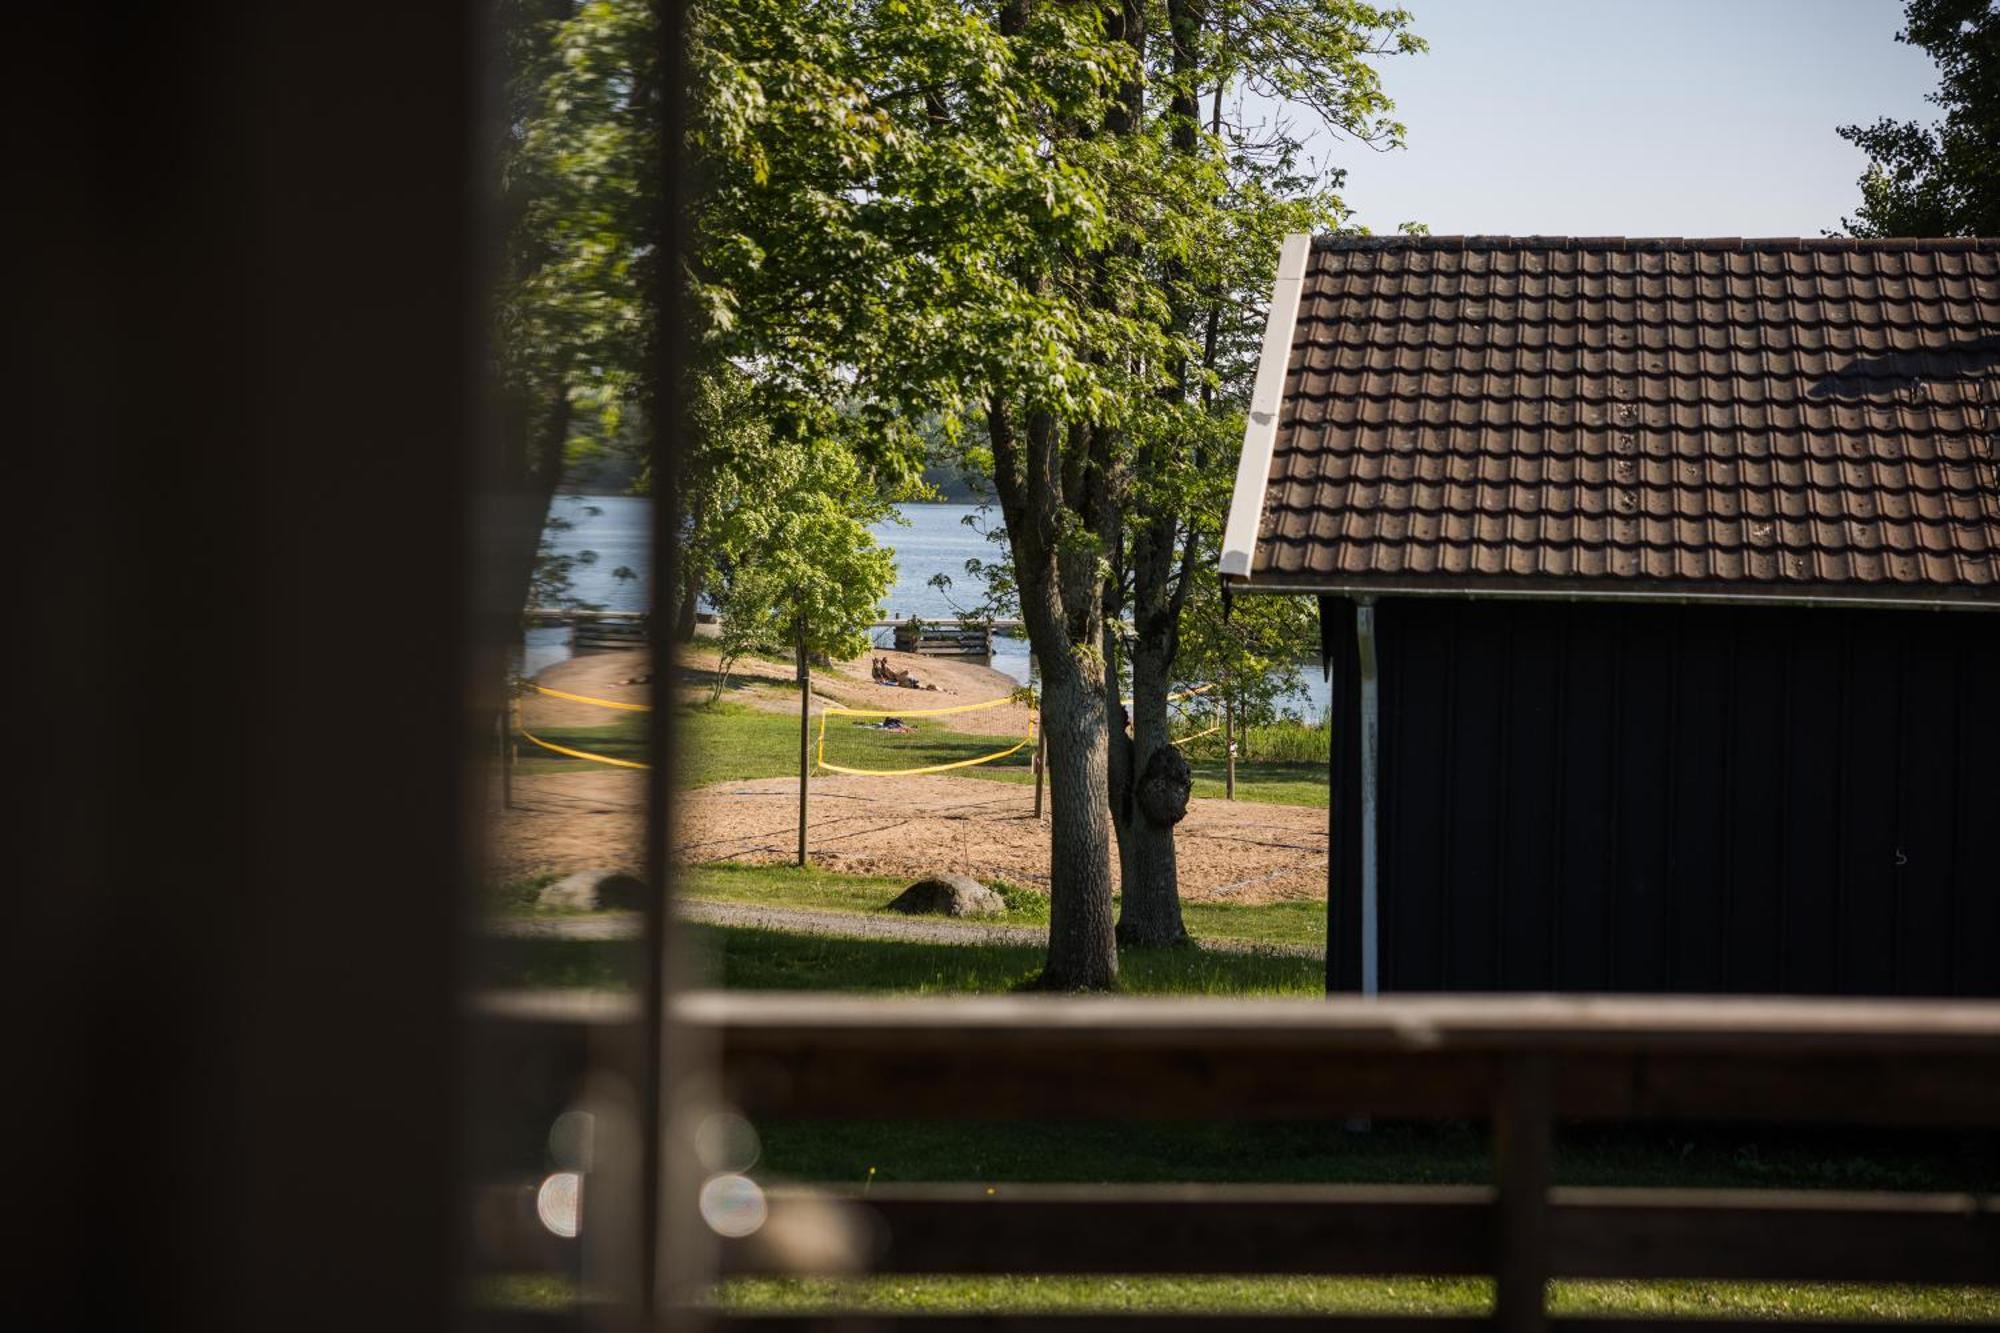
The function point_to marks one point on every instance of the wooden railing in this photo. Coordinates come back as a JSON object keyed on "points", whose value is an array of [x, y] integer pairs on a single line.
{"points": [[1520, 1063]]}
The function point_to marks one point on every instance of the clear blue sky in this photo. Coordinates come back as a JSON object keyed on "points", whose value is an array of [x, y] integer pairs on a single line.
{"points": [[1635, 117]]}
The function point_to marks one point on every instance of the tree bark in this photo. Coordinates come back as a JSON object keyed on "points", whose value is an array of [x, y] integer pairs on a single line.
{"points": [[1150, 909], [1083, 951], [1045, 494], [529, 471], [1150, 903], [686, 617], [1052, 481]]}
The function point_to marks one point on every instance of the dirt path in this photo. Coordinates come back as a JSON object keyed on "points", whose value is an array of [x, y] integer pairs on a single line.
{"points": [[853, 925], [1230, 851]]}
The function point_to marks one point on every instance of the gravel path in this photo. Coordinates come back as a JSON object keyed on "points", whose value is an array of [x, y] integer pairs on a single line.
{"points": [[854, 925]]}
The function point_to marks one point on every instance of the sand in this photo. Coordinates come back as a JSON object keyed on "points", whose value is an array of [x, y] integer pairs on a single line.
{"points": [[903, 827], [1234, 851]]}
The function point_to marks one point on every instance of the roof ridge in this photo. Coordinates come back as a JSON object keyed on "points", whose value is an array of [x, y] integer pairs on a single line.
{"points": [[1801, 244]]}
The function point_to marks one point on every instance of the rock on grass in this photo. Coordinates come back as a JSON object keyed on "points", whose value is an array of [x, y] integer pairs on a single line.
{"points": [[949, 895], [595, 891]]}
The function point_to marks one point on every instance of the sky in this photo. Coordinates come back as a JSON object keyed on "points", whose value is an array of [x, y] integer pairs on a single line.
{"points": [[1634, 117]]}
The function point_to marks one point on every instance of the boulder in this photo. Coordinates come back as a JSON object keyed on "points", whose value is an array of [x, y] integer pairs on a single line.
{"points": [[949, 895], [595, 891]]}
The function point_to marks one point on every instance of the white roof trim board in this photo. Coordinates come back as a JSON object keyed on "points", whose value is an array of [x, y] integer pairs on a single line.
{"points": [[1260, 431]]}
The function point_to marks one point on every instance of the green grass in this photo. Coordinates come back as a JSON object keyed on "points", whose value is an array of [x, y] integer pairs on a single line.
{"points": [[778, 960], [744, 958], [1290, 923], [732, 742], [1386, 1152], [1322, 1295], [1404, 1296], [1349, 1295]]}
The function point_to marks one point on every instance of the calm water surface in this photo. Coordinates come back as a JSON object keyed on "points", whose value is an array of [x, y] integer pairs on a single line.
{"points": [[929, 539]]}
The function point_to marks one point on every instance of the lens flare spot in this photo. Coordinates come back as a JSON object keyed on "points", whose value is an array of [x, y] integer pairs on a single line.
{"points": [[572, 1140], [558, 1203], [726, 1143], [733, 1206]]}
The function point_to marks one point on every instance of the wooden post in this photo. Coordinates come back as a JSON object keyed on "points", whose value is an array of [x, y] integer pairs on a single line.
{"points": [[805, 734], [510, 724], [1035, 708], [1038, 772], [507, 757], [1521, 1149], [1229, 743]]}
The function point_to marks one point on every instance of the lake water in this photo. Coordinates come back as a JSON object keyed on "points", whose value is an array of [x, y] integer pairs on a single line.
{"points": [[930, 539]]}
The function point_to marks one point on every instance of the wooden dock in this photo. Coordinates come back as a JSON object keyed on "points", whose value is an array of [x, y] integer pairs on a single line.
{"points": [[603, 631]]}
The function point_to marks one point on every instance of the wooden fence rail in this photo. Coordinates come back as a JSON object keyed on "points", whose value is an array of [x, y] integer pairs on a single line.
{"points": [[1521, 1063]]}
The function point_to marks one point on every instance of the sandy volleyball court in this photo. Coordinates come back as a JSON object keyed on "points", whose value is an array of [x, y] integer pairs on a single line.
{"points": [[1234, 851], [904, 827], [763, 684]]}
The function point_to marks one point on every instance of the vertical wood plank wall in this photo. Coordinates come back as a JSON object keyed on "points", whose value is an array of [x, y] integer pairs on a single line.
{"points": [[1638, 798]]}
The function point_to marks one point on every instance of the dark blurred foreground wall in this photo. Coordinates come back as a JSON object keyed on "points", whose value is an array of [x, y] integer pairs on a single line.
{"points": [[242, 318]]}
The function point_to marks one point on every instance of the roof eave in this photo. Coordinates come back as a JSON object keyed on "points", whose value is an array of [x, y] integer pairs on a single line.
{"points": [[1267, 399], [1862, 598]]}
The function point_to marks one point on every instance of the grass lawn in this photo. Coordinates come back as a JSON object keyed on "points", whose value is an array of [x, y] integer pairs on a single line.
{"points": [[1329, 1295], [732, 742], [1296, 923], [1296, 1295], [755, 959]]}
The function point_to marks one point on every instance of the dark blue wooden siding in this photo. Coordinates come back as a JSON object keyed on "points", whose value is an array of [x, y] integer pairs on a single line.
{"points": [[1676, 798]]}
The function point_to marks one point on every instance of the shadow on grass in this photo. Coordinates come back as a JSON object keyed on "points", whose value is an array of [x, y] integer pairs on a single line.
{"points": [[747, 958]]}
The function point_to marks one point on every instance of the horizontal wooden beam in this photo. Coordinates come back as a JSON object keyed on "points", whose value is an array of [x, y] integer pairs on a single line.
{"points": [[1867, 1062], [1804, 1236], [1610, 1058]]}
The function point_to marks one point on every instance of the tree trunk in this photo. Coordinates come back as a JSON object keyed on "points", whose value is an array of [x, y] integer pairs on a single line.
{"points": [[1083, 952], [1150, 906], [1061, 590], [685, 617]]}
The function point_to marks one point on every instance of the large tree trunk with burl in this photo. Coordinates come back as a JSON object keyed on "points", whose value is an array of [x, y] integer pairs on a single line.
{"points": [[1162, 568], [1156, 784]]}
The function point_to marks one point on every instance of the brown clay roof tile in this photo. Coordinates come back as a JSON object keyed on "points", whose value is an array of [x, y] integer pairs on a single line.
{"points": [[1764, 418]]}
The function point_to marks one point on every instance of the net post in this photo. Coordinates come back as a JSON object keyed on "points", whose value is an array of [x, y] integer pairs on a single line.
{"points": [[1040, 767], [805, 734], [510, 748]]}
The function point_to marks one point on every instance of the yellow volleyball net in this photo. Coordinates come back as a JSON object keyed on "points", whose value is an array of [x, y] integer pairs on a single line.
{"points": [[1004, 701], [564, 750], [821, 763]]}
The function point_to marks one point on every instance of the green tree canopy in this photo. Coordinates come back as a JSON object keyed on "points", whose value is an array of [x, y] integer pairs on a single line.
{"points": [[1941, 179]]}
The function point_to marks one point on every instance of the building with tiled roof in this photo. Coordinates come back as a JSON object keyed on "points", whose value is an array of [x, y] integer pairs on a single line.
{"points": [[1654, 573]]}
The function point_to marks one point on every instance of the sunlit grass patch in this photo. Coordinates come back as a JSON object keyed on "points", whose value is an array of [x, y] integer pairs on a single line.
{"points": [[1347, 1295]]}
